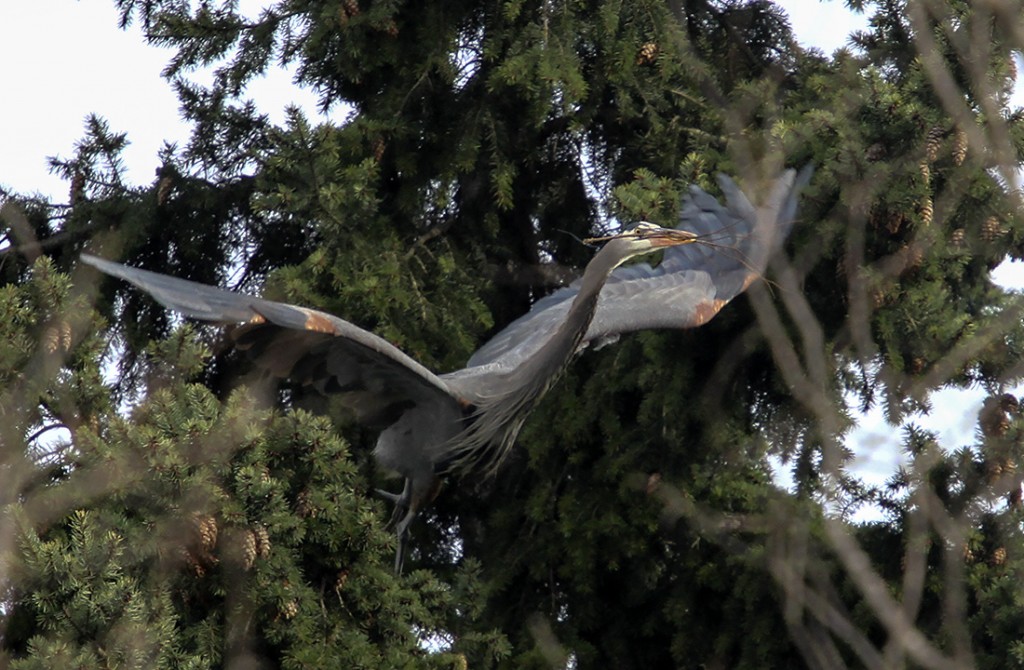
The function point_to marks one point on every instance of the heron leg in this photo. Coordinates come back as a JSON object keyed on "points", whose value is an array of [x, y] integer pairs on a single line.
{"points": [[402, 533], [407, 507], [404, 511]]}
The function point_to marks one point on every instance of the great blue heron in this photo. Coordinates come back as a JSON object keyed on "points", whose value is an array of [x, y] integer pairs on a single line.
{"points": [[467, 420]]}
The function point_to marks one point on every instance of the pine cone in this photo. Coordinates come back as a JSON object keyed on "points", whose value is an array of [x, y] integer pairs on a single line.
{"points": [[163, 189], [957, 238], [992, 419], [647, 54], [991, 229], [350, 7], [926, 172], [653, 483], [895, 222], [999, 556], [205, 528], [912, 255], [65, 335], [933, 143], [57, 336], [968, 554], [77, 191], [196, 566], [262, 541], [303, 506], [959, 146], [51, 339], [927, 211], [290, 609], [339, 583], [250, 548]]}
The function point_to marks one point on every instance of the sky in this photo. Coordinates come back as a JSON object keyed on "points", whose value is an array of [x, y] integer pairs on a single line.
{"points": [[113, 73], [97, 69]]}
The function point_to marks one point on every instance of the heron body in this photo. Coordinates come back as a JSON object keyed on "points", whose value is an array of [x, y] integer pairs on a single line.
{"points": [[466, 421]]}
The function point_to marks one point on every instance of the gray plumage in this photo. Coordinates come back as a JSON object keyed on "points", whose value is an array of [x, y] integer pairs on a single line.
{"points": [[467, 420]]}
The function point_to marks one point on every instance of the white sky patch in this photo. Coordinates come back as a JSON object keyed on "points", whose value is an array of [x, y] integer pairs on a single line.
{"points": [[1010, 275], [97, 68], [825, 25], [49, 91], [879, 446]]}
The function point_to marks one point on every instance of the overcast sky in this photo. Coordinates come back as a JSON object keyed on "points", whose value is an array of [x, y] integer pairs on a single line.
{"points": [[64, 59]]}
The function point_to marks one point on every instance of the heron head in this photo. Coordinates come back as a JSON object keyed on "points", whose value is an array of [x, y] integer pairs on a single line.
{"points": [[645, 237]]}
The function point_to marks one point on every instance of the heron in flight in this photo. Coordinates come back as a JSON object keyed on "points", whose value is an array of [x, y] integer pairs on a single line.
{"points": [[467, 421]]}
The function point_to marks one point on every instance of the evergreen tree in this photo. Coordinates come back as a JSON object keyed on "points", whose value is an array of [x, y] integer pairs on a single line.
{"points": [[177, 522]]}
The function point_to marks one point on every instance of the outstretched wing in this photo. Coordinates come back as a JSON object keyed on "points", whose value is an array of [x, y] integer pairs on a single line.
{"points": [[307, 346], [691, 284]]}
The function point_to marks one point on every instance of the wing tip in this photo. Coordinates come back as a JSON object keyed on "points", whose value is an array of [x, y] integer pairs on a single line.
{"points": [[96, 261]]}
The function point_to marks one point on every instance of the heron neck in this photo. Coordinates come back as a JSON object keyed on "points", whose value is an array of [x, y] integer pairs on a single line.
{"points": [[556, 352]]}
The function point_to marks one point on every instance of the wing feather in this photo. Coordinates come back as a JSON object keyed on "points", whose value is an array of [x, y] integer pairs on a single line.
{"points": [[305, 345], [691, 284]]}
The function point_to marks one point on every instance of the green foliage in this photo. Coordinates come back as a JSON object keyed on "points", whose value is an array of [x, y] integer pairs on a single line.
{"points": [[95, 612], [178, 523], [216, 533]]}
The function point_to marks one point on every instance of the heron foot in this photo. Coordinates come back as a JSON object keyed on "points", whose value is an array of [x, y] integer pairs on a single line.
{"points": [[407, 505], [402, 515], [393, 498]]}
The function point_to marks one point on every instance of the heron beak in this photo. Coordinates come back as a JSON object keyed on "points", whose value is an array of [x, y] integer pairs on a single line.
{"points": [[669, 237], [658, 236]]}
